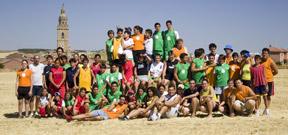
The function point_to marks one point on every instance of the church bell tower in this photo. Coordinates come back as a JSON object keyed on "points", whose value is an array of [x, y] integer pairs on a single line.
{"points": [[62, 33]]}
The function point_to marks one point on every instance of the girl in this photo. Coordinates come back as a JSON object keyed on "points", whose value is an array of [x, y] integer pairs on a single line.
{"points": [[168, 71], [245, 70], [138, 39], [140, 96], [208, 99], [67, 104], [45, 102], [65, 63], [198, 66], [128, 45], [24, 85], [226, 105], [96, 65], [179, 49], [57, 78], [56, 104], [131, 102], [162, 91], [150, 102], [78, 106], [127, 73]]}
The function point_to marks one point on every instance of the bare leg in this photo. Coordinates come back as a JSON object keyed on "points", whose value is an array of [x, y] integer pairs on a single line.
{"points": [[195, 103], [136, 85], [81, 116], [26, 108], [86, 107], [231, 110], [150, 82], [135, 113], [268, 101], [37, 103], [265, 102], [20, 107], [250, 105], [32, 104], [258, 101], [211, 105], [163, 110]]}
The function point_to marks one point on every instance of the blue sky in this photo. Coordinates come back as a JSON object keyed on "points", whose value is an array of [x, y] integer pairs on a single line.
{"points": [[245, 24]]}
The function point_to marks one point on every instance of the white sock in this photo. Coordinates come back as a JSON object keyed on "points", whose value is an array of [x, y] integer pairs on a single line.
{"points": [[127, 117], [159, 115]]}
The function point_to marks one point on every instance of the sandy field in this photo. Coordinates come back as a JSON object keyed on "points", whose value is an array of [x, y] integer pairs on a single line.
{"points": [[277, 124]]}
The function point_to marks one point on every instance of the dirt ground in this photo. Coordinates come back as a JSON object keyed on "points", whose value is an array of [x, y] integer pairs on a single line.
{"points": [[275, 125]]}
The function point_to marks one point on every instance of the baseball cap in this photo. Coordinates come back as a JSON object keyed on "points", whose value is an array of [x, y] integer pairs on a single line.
{"points": [[247, 54], [228, 47], [57, 94], [131, 91], [181, 86]]}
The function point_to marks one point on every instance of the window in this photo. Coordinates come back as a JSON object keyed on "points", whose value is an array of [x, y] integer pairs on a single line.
{"points": [[62, 35]]}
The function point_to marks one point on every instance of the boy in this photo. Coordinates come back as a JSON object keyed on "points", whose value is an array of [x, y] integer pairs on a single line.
{"points": [[212, 49], [181, 71], [108, 43], [234, 67], [100, 79], [148, 43], [141, 71], [116, 49], [259, 83], [70, 73], [228, 50], [210, 74], [170, 38], [114, 76], [222, 76], [128, 45], [46, 71], [95, 100], [156, 71], [158, 41]]}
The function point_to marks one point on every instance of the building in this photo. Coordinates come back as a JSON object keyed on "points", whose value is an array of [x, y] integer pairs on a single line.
{"points": [[12, 64], [62, 33], [278, 54]]}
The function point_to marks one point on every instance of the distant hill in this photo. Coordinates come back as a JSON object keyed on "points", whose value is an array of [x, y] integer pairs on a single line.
{"points": [[33, 50]]}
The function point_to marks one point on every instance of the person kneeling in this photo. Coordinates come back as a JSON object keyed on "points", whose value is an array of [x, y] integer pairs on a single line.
{"points": [[112, 112]]}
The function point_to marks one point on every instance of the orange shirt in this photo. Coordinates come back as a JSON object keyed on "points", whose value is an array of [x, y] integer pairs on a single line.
{"points": [[25, 78], [138, 42], [177, 52], [242, 94], [234, 70], [228, 60], [210, 75], [227, 93], [268, 69], [116, 111]]}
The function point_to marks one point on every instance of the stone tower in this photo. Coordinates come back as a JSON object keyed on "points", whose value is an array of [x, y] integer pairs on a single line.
{"points": [[62, 33]]}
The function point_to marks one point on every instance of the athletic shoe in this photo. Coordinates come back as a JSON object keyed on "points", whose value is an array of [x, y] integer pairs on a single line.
{"points": [[36, 114], [257, 113], [266, 112], [150, 118], [31, 114], [123, 118]]}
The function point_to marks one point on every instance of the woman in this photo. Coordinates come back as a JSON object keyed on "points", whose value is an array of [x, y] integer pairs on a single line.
{"points": [[57, 77], [138, 39], [168, 71], [234, 67], [150, 101], [127, 73], [24, 85], [198, 66], [208, 99], [96, 65], [179, 49]]}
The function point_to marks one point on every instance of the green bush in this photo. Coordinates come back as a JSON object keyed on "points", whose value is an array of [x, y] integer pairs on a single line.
{"points": [[1, 66], [103, 61], [278, 63], [285, 61]]}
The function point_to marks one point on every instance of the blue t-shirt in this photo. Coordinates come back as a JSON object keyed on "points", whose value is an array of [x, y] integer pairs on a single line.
{"points": [[188, 92], [70, 75], [46, 72]]}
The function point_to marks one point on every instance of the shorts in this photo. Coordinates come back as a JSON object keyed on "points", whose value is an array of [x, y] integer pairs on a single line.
{"points": [[270, 89], [172, 113], [143, 78], [169, 77], [216, 108], [260, 90], [81, 109], [241, 104], [219, 90], [117, 62], [37, 90], [247, 83], [101, 113], [130, 80], [23, 92]]}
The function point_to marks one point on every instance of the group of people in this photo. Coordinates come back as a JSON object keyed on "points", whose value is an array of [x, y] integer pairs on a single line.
{"points": [[151, 75]]}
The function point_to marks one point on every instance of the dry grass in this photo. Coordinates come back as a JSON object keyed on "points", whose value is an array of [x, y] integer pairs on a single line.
{"points": [[276, 124]]}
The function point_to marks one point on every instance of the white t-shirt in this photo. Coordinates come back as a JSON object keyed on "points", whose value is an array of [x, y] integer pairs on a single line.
{"points": [[149, 46], [119, 77], [44, 100], [128, 52], [164, 94], [156, 69], [216, 58], [37, 73]]}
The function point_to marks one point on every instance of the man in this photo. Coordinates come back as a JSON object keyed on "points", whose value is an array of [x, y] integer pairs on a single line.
{"points": [[243, 98], [170, 38], [95, 100], [228, 50], [190, 100], [168, 105], [112, 112], [158, 41], [271, 70], [212, 49], [37, 68]]}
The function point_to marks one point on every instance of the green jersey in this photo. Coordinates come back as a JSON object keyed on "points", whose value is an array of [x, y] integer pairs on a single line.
{"points": [[109, 44], [182, 73], [169, 41], [198, 76], [68, 102], [158, 41], [114, 77], [141, 98], [113, 97], [94, 100], [66, 67], [222, 75], [100, 79]]}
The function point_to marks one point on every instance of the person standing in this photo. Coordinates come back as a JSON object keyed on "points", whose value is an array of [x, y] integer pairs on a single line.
{"points": [[57, 77], [138, 39], [37, 68], [158, 41], [109, 44], [170, 38], [228, 50]]}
